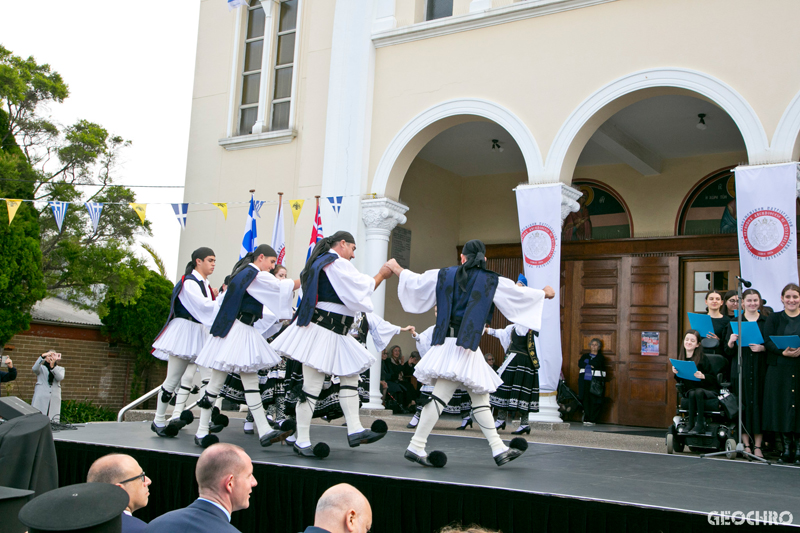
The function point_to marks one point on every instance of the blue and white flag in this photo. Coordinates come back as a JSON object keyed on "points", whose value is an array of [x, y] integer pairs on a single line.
{"points": [[233, 4], [59, 212], [258, 205], [94, 209], [250, 233], [336, 203], [181, 210]]}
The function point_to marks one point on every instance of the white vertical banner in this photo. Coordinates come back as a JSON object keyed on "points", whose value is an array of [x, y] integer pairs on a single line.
{"points": [[539, 209], [766, 197]]}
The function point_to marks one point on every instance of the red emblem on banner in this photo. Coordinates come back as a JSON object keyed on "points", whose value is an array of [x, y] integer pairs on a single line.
{"points": [[538, 244], [766, 232]]}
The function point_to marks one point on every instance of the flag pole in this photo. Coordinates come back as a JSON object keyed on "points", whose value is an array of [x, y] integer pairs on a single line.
{"points": [[280, 202]]}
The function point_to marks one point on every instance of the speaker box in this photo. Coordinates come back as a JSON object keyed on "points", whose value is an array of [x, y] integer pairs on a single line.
{"points": [[13, 407]]}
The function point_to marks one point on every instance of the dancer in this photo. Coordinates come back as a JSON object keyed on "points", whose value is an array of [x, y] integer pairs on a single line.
{"points": [[236, 346], [519, 392], [333, 292], [192, 310], [464, 295]]}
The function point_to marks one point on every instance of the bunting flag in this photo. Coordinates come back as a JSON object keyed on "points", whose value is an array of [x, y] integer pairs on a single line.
{"points": [[140, 209], [94, 210], [297, 206], [223, 206], [250, 233], [12, 206], [233, 4], [181, 210], [278, 238], [316, 233], [336, 203], [59, 212]]}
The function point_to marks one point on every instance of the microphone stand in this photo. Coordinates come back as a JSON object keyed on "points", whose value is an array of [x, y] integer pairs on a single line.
{"points": [[739, 443]]}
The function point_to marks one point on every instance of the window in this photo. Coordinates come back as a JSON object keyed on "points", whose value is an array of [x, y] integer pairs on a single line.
{"points": [[284, 65], [437, 9], [251, 72], [704, 282]]}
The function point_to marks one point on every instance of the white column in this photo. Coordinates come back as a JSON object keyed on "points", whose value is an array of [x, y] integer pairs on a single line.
{"points": [[261, 126], [380, 217], [384, 16], [548, 406]]}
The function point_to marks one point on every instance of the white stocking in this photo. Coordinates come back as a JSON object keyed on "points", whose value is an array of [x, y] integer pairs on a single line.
{"points": [[482, 414], [443, 390], [183, 392], [348, 400], [175, 369], [252, 396], [212, 389], [312, 386]]}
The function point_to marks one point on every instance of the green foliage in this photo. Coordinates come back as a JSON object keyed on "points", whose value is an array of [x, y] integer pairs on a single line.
{"points": [[80, 412], [21, 283], [138, 322]]}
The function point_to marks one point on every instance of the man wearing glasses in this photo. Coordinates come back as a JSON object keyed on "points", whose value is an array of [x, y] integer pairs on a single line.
{"points": [[123, 471]]}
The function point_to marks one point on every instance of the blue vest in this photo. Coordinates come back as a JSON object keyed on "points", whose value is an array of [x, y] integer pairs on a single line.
{"points": [[237, 300], [467, 311], [316, 288], [177, 309]]}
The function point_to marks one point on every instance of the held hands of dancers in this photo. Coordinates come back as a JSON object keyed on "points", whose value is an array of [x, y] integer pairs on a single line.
{"points": [[549, 292], [394, 266], [411, 329]]}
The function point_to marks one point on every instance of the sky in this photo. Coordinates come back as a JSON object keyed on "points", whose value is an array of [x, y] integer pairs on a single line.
{"points": [[130, 68]]}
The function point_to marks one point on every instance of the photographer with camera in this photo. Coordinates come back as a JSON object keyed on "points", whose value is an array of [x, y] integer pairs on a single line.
{"points": [[47, 392], [11, 375]]}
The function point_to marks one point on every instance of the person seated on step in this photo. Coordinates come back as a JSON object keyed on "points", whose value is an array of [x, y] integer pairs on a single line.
{"points": [[697, 391], [398, 390]]}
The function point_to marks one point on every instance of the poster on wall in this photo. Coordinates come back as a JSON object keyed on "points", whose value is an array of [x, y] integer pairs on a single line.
{"points": [[650, 343]]}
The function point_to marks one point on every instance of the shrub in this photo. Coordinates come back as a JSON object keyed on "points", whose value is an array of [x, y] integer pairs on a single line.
{"points": [[79, 412]]}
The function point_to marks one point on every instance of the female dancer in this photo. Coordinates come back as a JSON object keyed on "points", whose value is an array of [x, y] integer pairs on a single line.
{"points": [[697, 391], [754, 367], [782, 381]]}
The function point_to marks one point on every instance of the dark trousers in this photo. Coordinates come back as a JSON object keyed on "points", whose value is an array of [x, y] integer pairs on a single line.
{"points": [[697, 401], [592, 405]]}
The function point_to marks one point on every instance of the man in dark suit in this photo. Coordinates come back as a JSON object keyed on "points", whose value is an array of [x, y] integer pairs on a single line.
{"points": [[124, 471], [224, 475], [342, 509]]}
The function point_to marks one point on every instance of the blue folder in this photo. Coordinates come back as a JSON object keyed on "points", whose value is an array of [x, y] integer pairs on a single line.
{"points": [[788, 341], [701, 323], [686, 369], [750, 333]]}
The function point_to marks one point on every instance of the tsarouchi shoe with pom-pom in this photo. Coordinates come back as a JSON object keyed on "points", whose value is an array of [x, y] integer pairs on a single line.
{"points": [[375, 433]]}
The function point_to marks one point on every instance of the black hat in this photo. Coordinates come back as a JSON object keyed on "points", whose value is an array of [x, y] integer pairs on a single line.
{"points": [[11, 501], [81, 508]]}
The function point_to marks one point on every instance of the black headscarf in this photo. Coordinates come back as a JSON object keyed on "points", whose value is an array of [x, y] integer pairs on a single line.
{"points": [[475, 252], [262, 249], [323, 247], [201, 253]]}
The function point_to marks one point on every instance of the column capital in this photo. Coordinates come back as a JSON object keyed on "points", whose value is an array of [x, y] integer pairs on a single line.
{"points": [[569, 201], [381, 215]]}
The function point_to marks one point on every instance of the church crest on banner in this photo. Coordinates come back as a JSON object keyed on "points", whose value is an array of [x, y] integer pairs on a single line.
{"points": [[538, 244], [766, 233]]}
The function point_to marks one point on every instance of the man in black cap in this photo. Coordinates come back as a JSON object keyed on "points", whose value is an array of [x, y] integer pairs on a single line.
{"points": [[124, 471], [82, 508], [465, 297], [342, 509], [224, 475]]}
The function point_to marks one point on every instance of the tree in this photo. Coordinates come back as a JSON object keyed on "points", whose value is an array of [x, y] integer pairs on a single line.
{"points": [[137, 323], [78, 263], [21, 283]]}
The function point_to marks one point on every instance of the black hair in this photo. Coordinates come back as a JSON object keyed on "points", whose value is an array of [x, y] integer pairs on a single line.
{"points": [[262, 249], [323, 247], [201, 254]]}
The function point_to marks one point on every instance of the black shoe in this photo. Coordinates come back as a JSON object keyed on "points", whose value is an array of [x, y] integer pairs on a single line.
{"points": [[797, 449], [522, 429], [700, 427], [170, 430], [435, 459], [501, 426], [303, 452], [277, 435], [787, 457], [185, 418], [464, 424], [206, 441], [375, 433], [318, 451], [516, 448], [412, 426]]}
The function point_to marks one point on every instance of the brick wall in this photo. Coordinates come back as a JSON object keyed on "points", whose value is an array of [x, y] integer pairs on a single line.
{"points": [[94, 369]]}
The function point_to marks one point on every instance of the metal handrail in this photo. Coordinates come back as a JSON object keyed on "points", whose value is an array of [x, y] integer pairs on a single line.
{"points": [[136, 402]]}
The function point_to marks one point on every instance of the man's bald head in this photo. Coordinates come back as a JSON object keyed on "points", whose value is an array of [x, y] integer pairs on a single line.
{"points": [[110, 468], [218, 462], [342, 508]]}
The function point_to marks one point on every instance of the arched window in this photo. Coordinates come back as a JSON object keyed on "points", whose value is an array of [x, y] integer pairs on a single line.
{"points": [[603, 214], [710, 207]]}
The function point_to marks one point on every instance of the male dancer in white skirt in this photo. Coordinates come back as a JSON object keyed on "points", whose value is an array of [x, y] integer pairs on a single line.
{"points": [[236, 346], [464, 296], [192, 311], [333, 292]]}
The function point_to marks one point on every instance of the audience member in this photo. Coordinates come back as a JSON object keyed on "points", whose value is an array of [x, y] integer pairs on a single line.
{"points": [[47, 392], [11, 375], [408, 376], [224, 475], [474, 528], [392, 380], [490, 361], [342, 509], [123, 471], [593, 367]]}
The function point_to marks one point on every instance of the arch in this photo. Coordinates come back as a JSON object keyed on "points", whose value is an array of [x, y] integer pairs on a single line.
{"points": [[786, 139], [694, 192], [407, 143], [611, 192], [600, 106]]}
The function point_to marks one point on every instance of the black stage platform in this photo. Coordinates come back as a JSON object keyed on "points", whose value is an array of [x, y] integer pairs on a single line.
{"points": [[550, 488]]}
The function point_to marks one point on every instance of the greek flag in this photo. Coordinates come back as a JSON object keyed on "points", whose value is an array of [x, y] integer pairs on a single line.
{"points": [[94, 209], [181, 210], [336, 203], [250, 233], [59, 212]]}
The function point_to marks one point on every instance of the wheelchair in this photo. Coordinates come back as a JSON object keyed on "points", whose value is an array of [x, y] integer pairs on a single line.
{"points": [[720, 429]]}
